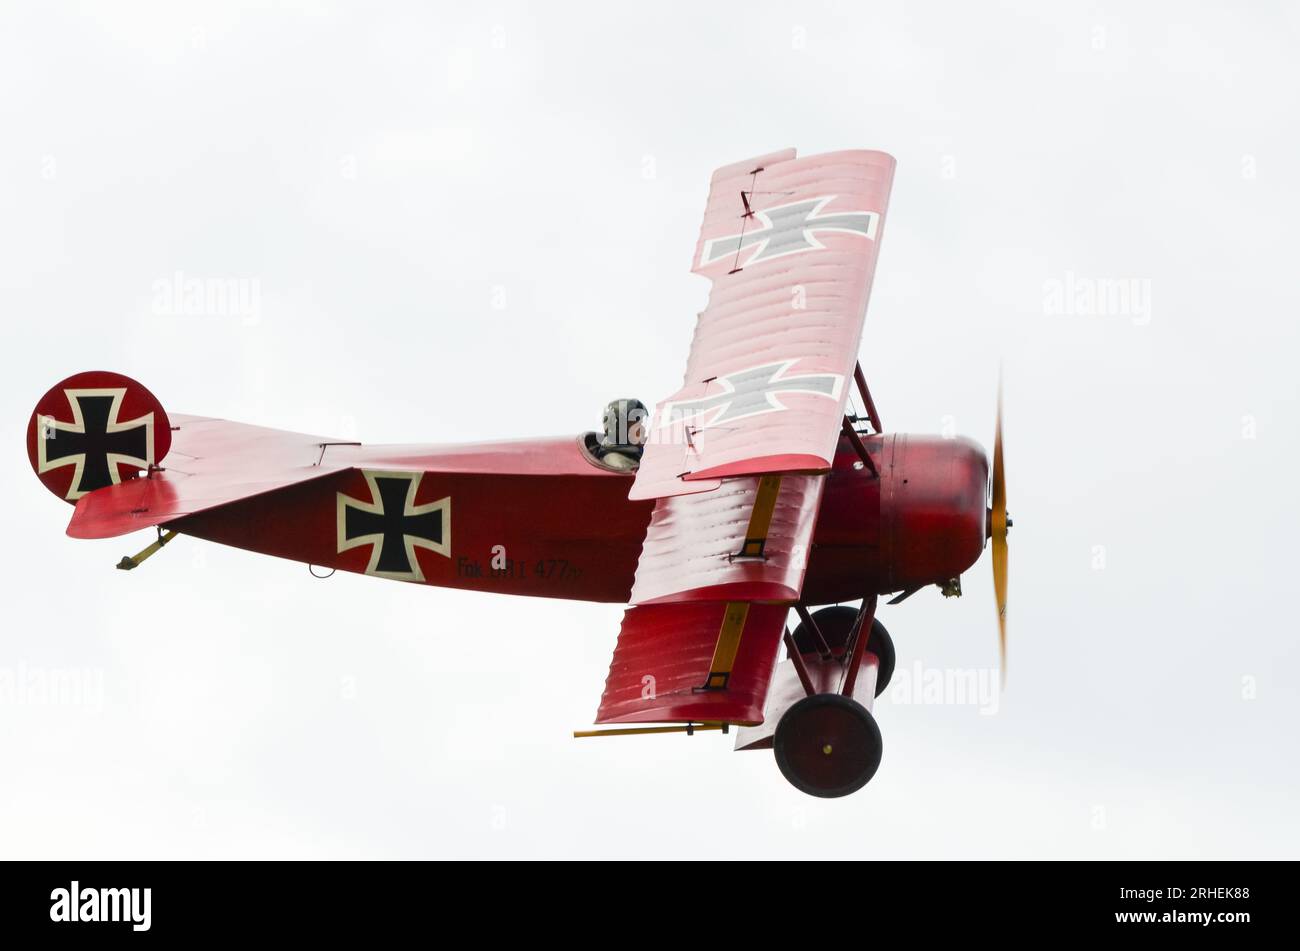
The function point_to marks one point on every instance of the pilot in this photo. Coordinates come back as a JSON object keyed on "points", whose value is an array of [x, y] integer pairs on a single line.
{"points": [[624, 434]]}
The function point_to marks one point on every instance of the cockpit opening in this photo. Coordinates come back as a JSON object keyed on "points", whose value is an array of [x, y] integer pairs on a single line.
{"points": [[622, 437]]}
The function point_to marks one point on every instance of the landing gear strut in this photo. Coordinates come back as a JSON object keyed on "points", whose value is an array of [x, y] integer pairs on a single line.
{"points": [[835, 625], [819, 723]]}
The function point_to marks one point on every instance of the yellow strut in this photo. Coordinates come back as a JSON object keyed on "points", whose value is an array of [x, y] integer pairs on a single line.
{"points": [[640, 730]]}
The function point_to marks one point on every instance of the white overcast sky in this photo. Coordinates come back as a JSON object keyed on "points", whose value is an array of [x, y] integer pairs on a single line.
{"points": [[476, 221]]}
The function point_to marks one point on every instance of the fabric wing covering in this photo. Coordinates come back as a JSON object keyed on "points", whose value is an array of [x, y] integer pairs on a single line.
{"points": [[790, 247]]}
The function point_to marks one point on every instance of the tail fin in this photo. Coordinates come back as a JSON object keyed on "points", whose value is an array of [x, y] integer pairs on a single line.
{"points": [[95, 429]]}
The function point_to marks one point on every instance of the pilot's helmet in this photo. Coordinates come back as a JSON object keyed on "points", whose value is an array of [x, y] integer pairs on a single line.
{"points": [[625, 423]]}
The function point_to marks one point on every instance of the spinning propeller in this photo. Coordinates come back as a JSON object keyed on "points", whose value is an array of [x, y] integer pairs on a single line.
{"points": [[998, 525]]}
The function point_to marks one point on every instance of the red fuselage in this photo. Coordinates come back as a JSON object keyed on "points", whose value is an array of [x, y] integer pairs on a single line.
{"points": [[538, 517]]}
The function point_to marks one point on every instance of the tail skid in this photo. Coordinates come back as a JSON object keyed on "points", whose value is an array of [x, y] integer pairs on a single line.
{"points": [[134, 561]]}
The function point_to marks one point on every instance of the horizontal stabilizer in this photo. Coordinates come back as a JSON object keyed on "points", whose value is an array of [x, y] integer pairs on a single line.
{"points": [[212, 462]]}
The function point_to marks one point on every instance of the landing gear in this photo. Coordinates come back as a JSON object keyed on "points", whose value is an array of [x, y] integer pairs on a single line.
{"points": [[828, 745], [818, 720], [835, 625]]}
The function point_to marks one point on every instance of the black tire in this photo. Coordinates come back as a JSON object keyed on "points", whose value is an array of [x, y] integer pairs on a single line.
{"points": [[835, 624], [828, 745]]}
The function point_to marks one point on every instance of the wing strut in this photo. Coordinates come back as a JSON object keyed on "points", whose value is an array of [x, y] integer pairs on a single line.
{"points": [[724, 652], [860, 447], [760, 520], [868, 403]]}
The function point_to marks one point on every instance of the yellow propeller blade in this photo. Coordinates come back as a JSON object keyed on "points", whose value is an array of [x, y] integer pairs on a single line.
{"points": [[998, 532]]}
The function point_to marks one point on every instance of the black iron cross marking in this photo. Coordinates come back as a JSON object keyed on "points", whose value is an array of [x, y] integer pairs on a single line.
{"points": [[95, 441], [393, 525], [789, 229]]}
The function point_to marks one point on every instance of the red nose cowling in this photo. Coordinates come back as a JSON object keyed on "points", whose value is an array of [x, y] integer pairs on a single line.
{"points": [[933, 509], [922, 522]]}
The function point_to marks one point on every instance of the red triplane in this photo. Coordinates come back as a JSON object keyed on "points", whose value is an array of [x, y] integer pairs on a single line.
{"points": [[749, 492]]}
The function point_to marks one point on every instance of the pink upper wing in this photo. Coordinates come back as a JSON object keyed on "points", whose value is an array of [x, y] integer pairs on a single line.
{"points": [[790, 246]]}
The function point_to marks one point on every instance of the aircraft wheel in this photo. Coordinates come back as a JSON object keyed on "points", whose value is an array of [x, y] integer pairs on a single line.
{"points": [[835, 624], [828, 745]]}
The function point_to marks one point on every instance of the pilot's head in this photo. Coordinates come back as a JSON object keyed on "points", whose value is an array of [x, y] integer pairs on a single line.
{"points": [[625, 423]]}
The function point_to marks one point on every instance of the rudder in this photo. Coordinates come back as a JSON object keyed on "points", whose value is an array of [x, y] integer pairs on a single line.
{"points": [[95, 429]]}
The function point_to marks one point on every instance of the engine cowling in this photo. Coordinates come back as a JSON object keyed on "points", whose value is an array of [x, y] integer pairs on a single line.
{"points": [[933, 509], [921, 521]]}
